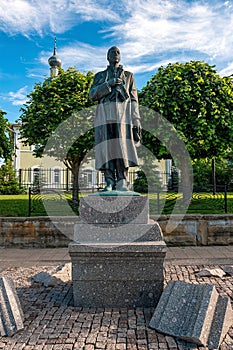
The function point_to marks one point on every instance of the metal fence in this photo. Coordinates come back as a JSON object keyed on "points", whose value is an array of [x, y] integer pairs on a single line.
{"points": [[161, 202], [56, 185], [204, 200], [63, 179]]}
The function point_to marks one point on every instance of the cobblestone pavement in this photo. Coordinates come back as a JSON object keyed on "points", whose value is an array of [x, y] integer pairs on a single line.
{"points": [[52, 324]]}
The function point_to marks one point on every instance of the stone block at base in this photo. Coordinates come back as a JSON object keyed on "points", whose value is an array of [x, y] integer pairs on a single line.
{"points": [[118, 253], [114, 209], [113, 275], [116, 234]]}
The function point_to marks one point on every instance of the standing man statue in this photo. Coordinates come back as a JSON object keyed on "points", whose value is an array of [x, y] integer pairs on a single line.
{"points": [[117, 122]]}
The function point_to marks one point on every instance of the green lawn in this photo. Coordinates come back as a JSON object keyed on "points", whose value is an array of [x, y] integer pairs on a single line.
{"points": [[202, 203], [17, 205], [14, 205]]}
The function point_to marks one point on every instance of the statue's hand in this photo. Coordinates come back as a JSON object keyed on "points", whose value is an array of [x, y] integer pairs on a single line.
{"points": [[137, 123], [137, 130], [114, 81]]}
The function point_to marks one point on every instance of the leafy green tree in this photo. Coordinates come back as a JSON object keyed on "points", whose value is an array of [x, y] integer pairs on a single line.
{"points": [[198, 102], [52, 102], [9, 183], [202, 169], [6, 141]]}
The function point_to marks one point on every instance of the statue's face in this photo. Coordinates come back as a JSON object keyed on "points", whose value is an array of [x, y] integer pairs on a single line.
{"points": [[114, 55]]}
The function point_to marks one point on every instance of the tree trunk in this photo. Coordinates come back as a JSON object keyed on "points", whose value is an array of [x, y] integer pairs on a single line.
{"points": [[186, 185], [75, 187]]}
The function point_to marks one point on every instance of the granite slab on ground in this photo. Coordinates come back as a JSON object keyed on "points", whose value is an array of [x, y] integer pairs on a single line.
{"points": [[194, 313], [11, 314]]}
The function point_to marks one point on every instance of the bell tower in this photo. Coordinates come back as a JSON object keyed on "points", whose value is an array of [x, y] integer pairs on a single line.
{"points": [[54, 62]]}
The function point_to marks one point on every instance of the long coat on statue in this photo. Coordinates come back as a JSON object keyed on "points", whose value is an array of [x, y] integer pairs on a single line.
{"points": [[117, 106]]}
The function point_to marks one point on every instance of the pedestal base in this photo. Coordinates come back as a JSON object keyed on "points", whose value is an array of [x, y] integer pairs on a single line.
{"points": [[117, 258], [113, 275]]}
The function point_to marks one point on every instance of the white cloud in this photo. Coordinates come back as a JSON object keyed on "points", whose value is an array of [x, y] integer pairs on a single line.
{"points": [[147, 31], [38, 17], [163, 26], [228, 70], [98, 11], [19, 97], [82, 56]]}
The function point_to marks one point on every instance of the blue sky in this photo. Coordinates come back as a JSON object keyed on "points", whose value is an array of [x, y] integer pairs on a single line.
{"points": [[149, 33]]}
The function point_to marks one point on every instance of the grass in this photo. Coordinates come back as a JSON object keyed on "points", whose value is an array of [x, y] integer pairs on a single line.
{"points": [[14, 205], [204, 203], [201, 203]]}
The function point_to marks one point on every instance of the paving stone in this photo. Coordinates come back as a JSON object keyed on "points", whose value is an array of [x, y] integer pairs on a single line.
{"points": [[11, 314], [217, 272], [81, 323], [186, 311]]}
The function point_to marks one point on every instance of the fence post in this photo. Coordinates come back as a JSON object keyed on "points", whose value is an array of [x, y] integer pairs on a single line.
{"points": [[214, 176], [225, 198], [67, 179], [29, 201], [20, 177], [158, 201]]}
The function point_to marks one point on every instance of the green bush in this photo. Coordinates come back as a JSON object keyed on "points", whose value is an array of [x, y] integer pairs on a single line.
{"points": [[140, 183], [148, 180], [9, 183], [202, 171]]}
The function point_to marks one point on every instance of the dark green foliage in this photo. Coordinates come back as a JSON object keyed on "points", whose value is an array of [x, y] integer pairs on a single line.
{"points": [[65, 97], [202, 169], [140, 183], [9, 183], [198, 102], [6, 141], [148, 180]]}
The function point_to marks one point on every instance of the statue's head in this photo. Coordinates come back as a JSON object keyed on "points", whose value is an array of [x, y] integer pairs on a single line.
{"points": [[113, 55]]}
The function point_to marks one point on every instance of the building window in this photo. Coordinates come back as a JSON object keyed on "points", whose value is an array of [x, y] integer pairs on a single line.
{"points": [[56, 176]]}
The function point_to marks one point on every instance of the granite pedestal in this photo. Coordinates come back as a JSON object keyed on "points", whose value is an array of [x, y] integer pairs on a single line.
{"points": [[118, 253]]}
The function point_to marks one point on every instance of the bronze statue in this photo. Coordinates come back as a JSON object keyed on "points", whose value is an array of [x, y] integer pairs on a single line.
{"points": [[117, 122]]}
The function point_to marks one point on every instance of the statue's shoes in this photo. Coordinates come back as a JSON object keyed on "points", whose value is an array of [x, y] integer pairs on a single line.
{"points": [[122, 188], [107, 188]]}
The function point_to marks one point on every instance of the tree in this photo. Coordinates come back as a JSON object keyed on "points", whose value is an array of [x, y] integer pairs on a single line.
{"points": [[203, 172], [9, 183], [198, 102], [6, 142], [51, 103]]}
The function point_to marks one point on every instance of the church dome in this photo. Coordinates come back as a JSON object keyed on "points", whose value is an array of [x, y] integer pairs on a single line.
{"points": [[54, 61]]}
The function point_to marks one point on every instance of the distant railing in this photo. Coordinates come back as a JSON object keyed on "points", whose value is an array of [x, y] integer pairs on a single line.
{"points": [[203, 200], [89, 180]]}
